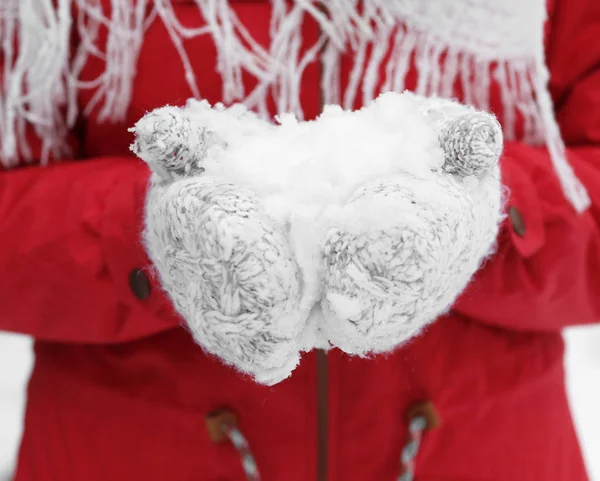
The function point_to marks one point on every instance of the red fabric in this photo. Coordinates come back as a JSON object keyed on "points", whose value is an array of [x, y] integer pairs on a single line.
{"points": [[120, 392]]}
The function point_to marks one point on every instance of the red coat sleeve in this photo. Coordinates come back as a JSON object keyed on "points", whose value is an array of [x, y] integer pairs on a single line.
{"points": [[69, 240], [549, 277]]}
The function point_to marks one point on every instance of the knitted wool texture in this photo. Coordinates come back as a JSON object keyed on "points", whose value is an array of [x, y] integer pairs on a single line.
{"points": [[385, 255]]}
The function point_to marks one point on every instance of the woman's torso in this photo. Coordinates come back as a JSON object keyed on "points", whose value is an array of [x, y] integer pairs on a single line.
{"points": [[138, 410]]}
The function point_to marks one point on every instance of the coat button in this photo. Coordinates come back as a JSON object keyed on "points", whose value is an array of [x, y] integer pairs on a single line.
{"points": [[517, 221], [139, 284]]}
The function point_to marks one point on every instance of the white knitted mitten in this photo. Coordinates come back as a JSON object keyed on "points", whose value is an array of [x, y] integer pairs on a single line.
{"points": [[387, 276], [226, 265]]}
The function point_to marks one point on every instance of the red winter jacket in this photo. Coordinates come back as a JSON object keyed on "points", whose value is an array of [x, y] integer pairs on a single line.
{"points": [[120, 392]]}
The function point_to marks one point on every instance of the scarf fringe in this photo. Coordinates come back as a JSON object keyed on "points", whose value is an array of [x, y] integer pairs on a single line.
{"points": [[34, 87], [40, 84]]}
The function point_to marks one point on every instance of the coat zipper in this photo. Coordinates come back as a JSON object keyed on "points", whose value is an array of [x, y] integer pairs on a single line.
{"points": [[322, 412], [321, 366]]}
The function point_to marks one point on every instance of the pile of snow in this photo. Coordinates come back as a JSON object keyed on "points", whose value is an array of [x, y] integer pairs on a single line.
{"points": [[331, 157]]}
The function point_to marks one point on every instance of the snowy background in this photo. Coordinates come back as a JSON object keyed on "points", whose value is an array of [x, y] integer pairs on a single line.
{"points": [[582, 361]]}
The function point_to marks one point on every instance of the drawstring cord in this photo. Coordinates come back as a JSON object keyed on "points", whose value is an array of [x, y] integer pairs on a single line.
{"points": [[411, 449], [241, 444], [421, 417], [222, 426]]}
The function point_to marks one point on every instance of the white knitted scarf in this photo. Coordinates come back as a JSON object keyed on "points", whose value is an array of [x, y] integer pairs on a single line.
{"points": [[469, 41]]}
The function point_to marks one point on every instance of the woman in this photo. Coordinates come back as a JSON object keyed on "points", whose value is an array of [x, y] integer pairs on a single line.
{"points": [[120, 391]]}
